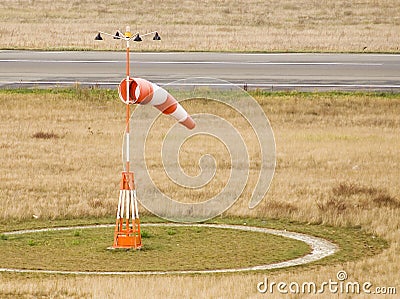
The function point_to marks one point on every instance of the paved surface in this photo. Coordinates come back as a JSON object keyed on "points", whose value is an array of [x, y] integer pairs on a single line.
{"points": [[320, 248], [267, 71]]}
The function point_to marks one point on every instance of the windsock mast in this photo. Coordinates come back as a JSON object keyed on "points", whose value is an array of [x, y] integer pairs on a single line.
{"points": [[127, 227]]}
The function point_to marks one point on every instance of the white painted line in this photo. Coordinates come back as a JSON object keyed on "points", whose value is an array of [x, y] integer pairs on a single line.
{"points": [[191, 62], [313, 54], [321, 248], [260, 63], [177, 84], [288, 85], [60, 61], [217, 53]]}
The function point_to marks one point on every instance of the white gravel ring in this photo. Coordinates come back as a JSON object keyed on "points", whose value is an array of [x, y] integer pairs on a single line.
{"points": [[321, 248]]}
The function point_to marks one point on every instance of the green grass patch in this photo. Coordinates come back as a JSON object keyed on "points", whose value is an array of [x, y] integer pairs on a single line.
{"points": [[76, 93], [80, 92], [177, 248], [145, 234], [353, 242]]}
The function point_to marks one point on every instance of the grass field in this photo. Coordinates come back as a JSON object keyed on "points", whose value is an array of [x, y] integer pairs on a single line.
{"points": [[303, 25], [337, 165]]}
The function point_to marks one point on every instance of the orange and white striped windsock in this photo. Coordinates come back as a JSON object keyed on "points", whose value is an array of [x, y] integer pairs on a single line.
{"points": [[144, 92]]}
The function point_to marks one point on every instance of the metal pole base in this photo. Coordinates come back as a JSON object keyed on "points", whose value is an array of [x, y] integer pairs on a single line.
{"points": [[127, 227]]}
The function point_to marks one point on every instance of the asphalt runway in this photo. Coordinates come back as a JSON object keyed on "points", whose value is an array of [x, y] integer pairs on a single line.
{"points": [[296, 71]]}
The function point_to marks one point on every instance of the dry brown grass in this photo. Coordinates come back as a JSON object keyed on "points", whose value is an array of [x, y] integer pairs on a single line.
{"points": [[288, 25], [48, 171], [337, 163]]}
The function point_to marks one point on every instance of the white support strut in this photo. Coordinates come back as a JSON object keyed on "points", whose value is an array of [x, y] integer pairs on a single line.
{"points": [[119, 205], [136, 204], [133, 204], [122, 203], [127, 199]]}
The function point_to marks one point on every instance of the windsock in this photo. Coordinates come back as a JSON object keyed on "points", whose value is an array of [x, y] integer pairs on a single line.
{"points": [[144, 92]]}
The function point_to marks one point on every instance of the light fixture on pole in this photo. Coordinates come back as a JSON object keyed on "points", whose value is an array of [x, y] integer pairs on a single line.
{"points": [[156, 36], [98, 37], [137, 38]]}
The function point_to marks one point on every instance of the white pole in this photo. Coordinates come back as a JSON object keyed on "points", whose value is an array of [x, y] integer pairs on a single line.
{"points": [[127, 97], [127, 147]]}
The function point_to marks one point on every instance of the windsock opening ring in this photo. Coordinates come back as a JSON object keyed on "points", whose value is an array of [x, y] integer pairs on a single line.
{"points": [[144, 92], [123, 93]]}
